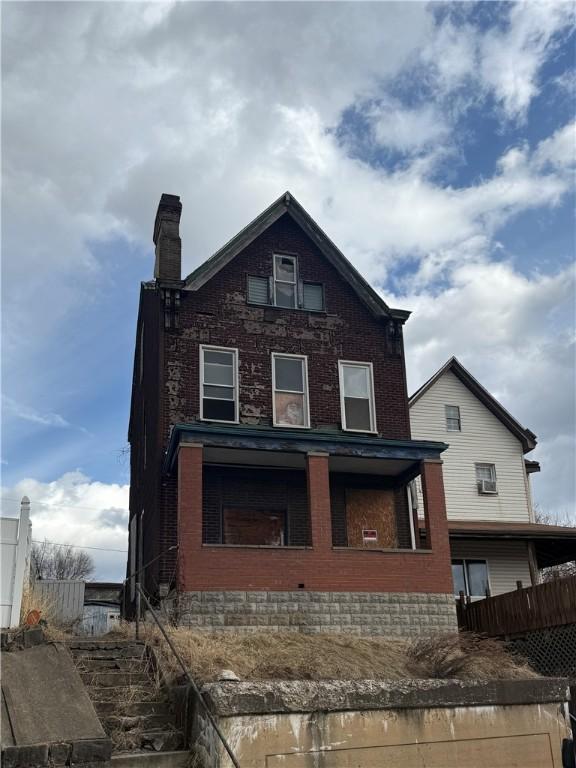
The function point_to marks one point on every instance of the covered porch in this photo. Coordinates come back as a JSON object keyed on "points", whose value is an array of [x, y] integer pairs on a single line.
{"points": [[261, 509]]}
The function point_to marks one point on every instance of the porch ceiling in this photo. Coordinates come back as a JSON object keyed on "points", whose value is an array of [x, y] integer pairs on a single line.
{"points": [[284, 460], [348, 452]]}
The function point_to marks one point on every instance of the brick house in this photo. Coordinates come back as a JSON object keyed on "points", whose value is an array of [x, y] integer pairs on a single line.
{"points": [[270, 441]]}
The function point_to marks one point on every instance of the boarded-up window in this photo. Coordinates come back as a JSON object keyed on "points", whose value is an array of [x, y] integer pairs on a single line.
{"points": [[371, 509], [254, 527]]}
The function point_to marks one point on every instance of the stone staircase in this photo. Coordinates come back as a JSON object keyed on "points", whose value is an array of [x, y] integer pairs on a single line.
{"points": [[121, 682]]}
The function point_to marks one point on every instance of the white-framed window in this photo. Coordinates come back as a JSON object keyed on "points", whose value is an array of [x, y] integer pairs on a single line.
{"points": [[486, 478], [285, 289], [470, 577], [290, 390], [285, 281], [357, 396], [453, 423], [218, 384]]}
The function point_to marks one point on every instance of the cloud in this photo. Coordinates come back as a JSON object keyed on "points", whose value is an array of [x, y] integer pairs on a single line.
{"points": [[510, 331], [74, 509], [25, 412]]}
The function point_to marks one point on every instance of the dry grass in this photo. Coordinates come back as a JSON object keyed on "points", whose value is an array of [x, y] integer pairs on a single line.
{"points": [[294, 656], [466, 657], [53, 628]]}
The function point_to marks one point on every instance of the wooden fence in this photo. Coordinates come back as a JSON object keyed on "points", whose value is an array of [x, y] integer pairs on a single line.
{"points": [[547, 605]]}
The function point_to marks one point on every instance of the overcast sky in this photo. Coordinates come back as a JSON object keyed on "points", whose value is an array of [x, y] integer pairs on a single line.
{"points": [[434, 144]]}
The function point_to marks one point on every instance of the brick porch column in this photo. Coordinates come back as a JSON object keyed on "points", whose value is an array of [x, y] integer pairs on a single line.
{"points": [[189, 511], [437, 537], [319, 499]]}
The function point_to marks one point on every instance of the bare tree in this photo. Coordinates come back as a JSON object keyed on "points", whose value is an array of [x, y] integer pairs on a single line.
{"points": [[58, 561], [559, 518]]}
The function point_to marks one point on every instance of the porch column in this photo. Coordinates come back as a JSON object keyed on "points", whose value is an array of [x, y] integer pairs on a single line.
{"points": [[319, 499], [437, 537], [189, 511]]}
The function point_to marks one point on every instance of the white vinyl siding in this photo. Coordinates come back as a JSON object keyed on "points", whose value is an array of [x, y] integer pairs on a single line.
{"points": [[483, 440], [507, 561]]}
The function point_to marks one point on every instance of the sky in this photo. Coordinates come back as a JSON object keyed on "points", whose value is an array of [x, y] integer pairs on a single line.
{"points": [[433, 143]]}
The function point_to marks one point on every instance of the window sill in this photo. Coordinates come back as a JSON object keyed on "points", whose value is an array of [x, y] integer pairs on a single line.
{"points": [[287, 309], [254, 546], [393, 551]]}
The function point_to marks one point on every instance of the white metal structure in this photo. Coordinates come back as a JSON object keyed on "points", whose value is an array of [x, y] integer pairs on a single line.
{"points": [[16, 539]]}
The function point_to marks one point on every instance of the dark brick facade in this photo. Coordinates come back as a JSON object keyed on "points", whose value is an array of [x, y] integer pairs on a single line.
{"points": [[173, 322]]}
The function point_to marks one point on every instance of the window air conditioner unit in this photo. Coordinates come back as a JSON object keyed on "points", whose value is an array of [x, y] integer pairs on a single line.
{"points": [[487, 486]]}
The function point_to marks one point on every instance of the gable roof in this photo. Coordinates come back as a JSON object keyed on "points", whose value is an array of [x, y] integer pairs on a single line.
{"points": [[287, 204], [526, 437]]}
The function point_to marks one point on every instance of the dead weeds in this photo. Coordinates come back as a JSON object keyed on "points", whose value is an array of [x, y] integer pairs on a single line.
{"points": [[295, 656]]}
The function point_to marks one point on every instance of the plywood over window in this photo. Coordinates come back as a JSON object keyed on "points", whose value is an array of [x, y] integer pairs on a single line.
{"points": [[368, 510]]}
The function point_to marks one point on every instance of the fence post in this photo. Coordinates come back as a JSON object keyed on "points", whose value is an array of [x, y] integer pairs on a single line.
{"points": [[137, 610], [20, 561], [518, 584]]}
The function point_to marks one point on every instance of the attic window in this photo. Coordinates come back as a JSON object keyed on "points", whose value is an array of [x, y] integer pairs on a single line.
{"points": [[284, 289]]}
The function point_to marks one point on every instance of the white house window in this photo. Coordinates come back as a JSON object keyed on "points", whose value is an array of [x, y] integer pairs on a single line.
{"points": [[285, 282], [218, 384], [290, 396], [486, 478], [470, 577], [453, 423], [357, 396]]}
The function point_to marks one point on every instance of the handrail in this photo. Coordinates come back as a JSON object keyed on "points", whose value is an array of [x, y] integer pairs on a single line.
{"points": [[140, 592]]}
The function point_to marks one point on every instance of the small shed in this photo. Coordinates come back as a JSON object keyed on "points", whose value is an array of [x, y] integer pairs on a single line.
{"points": [[101, 612]]}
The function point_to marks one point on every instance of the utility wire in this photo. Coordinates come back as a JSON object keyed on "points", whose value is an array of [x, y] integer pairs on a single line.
{"points": [[68, 506], [79, 546]]}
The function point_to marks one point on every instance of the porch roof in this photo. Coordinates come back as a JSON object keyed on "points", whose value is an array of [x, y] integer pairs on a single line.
{"points": [[554, 544], [301, 441]]}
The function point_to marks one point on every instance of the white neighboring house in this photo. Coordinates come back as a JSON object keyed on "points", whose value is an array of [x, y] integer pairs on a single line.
{"points": [[494, 540]]}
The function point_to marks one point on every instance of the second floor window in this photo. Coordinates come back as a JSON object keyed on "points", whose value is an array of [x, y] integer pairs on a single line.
{"points": [[452, 418], [218, 384], [290, 396], [486, 478], [357, 396]]}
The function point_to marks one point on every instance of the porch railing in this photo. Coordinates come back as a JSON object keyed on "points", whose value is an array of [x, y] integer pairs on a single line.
{"points": [[543, 606]]}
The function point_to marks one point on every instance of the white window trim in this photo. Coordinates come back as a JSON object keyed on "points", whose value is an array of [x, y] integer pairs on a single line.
{"points": [[306, 393], [286, 282], [212, 348], [371, 400], [446, 417], [466, 560]]}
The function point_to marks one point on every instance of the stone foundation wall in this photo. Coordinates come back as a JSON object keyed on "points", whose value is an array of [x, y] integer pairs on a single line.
{"points": [[362, 613]]}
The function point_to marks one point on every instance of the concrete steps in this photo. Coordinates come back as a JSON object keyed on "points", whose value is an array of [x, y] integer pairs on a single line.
{"points": [[140, 759], [122, 685]]}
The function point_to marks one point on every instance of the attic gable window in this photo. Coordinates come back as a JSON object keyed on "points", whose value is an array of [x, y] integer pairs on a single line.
{"points": [[453, 423], [284, 289]]}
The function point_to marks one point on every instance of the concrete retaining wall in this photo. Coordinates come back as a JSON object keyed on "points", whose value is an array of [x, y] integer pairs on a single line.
{"points": [[364, 613], [429, 723]]}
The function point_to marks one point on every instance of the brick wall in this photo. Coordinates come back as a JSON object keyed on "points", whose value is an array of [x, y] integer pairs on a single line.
{"points": [[218, 314]]}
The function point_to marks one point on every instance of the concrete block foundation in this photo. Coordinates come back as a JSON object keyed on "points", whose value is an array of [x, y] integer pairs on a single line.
{"points": [[388, 614]]}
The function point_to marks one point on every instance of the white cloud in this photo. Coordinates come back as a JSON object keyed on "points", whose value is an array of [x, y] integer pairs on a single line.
{"points": [[510, 59], [108, 105], [77, 510], [25, 412]]}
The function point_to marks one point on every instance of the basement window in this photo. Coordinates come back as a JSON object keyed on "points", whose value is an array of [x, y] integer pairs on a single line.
{"points": [[218, 384]]}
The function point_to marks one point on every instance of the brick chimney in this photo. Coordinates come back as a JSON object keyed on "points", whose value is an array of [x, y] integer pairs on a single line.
{"points": [[167, 240]]}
